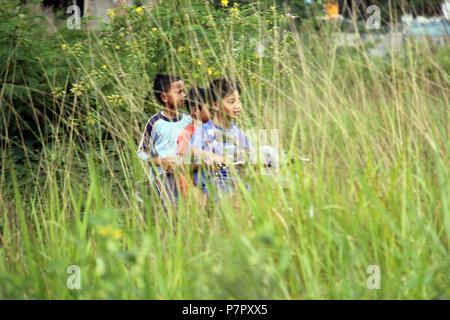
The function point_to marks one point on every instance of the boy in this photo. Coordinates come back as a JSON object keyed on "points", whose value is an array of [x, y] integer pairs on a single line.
{"points": [[197, 105], [159, 140], [221, 136]]}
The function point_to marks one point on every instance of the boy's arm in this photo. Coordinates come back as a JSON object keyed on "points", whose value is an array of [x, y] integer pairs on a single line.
{"points": [[209, 159], [198, 142], [167, 164]]}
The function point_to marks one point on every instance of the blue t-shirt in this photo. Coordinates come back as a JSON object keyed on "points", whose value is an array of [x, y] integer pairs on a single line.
{"points": [[160, 136], [229, 143]]}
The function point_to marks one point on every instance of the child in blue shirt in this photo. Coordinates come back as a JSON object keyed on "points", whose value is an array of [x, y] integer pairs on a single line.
{"points": [[221, 137], [159, 140]]}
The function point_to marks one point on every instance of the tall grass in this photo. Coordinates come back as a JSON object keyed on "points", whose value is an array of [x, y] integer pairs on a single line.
{"points": [[375, 192]]}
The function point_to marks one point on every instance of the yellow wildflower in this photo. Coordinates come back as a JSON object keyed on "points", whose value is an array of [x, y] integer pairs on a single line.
{"points": [[272, 8], [180, 49], [199, 62], [234, 10], [224, 3], [210, 71], [110, 232], [139, 10], [117, 47], [104, 67], [115, 99], [111, 13], [77, 89], [155, 29], [256, 55], [64, 46]]}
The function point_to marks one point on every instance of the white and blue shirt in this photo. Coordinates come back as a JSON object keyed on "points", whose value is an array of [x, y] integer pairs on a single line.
{"points": [[160, 136], [229, 143]]}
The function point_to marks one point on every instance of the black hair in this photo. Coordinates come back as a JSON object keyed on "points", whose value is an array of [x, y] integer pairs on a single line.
{"points": [[197, 97], [162, 83], [219, 88]]}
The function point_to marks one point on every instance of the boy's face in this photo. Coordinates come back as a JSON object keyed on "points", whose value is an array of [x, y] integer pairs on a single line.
{"points": [[176, 95], [202, 115], [231, 105]]}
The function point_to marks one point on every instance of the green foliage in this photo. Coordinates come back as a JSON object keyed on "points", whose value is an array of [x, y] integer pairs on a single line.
{"points": [[374, 193], [142, 43], [194, 40], [31, 71]]}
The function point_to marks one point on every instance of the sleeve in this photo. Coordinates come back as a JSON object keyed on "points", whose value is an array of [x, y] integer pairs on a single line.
{"points": [[183, 140], [144, 151]]}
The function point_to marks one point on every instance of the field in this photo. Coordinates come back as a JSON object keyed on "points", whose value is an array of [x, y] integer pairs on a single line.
{"points": [[375, 192]]}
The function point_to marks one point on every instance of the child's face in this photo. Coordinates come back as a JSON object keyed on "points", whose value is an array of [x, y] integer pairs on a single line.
{"points": [[231, 105], [202, 115], [176, 95]]}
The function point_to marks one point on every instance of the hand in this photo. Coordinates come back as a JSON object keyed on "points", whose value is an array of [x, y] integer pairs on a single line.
{"points": [[213, 160], [168, 164]]}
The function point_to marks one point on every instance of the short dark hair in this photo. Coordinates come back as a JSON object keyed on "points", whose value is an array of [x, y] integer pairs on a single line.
{"points": [[162, 83], [219, 88], [197, 97]]}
